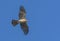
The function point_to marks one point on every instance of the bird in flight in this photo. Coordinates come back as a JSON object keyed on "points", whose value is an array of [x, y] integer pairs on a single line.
{"points": [[22, 20]]}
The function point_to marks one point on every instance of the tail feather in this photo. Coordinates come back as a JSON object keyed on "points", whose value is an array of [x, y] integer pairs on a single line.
{"points": [[14, 22]]}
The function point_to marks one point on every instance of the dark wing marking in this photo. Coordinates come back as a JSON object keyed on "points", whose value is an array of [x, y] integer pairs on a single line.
{"points": [[24, 27], [14, 22], [22, 13]]}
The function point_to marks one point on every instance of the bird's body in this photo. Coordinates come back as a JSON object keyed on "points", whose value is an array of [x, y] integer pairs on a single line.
{"points": [[22, 20]]}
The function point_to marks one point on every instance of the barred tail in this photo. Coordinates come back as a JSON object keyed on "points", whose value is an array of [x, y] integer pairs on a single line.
{"points": [[14, 22]]}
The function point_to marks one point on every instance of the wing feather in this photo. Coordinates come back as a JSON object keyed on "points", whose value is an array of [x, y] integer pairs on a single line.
{"points": [[22, 12], [24, 27]]}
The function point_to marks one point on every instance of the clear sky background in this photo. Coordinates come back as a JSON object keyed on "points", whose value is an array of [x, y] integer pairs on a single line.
{"points": [[43, 20]]}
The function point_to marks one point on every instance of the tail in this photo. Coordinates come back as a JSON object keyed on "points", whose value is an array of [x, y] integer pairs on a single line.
{"points": [[14, 22]]}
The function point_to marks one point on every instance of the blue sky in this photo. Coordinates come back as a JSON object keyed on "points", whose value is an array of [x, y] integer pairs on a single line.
{"points": [[43, 20]]}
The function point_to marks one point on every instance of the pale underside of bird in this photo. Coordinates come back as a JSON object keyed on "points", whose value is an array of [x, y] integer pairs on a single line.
{"points": [[22, 21]]}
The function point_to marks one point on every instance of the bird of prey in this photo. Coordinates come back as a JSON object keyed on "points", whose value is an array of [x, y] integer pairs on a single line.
{"points": [[22, 20]]}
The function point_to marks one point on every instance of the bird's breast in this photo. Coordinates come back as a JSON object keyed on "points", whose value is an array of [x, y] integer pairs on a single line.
{"points": [[22, 20]]}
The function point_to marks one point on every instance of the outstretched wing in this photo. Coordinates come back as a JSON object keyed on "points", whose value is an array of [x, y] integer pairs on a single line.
{"points": [[22, 13], [24, 27]]}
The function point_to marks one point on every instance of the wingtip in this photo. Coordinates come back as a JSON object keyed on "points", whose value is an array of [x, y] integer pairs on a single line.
{"points": [[26, 33], [22, 8]]}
